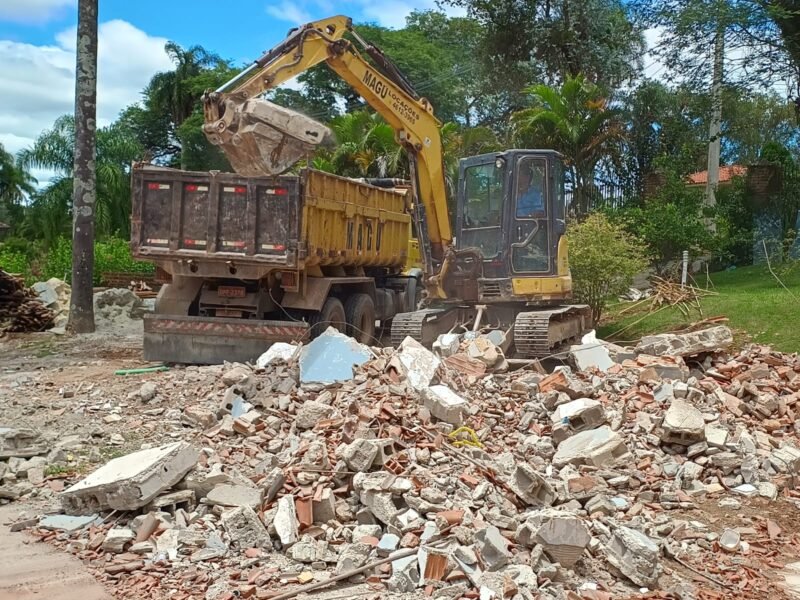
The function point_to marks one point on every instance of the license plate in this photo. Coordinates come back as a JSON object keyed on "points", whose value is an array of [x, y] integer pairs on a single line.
{"points": [[229, 291], [227, 312]]}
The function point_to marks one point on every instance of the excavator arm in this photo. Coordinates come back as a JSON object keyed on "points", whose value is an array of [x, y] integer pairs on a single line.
{"points": [[260, 137]]}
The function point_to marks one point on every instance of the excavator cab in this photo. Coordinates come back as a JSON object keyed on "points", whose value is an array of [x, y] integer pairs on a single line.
{"points": [[511, 208]]}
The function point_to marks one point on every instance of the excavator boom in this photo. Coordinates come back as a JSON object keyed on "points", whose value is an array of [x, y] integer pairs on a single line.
{"points": [[262, 138]]}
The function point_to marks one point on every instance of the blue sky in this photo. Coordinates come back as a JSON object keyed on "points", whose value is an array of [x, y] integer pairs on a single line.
{"points": [[37, 46]]}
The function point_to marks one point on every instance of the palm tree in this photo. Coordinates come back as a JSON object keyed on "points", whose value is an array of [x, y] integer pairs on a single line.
{"points": [[53, 150], [177, 93], [16, 184], [576, 120], [365, 147]]}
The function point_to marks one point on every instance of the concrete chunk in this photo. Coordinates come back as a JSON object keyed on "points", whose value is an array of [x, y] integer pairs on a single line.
{"points": [[235, 495], [563, 539], [586, 356], [580, 414], [686, 344], [445, 404], [785, 459], [530, 486], [635, 556], [312, 412], [20, 443], [279, 351], [683, 424], [330, 358], [130, 482], [418, 363], [285, 522], [493, 548], [117, 538], [245, 529], [600, 447]]}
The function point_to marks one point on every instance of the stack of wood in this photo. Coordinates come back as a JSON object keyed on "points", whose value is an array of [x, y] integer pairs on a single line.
{"points": [[20, 308]]}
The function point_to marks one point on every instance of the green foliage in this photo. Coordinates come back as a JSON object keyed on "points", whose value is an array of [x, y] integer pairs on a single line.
{"points": [[49, 214], [532, 40], [365, 147], [688, 29], [603, 259], [735, 216], [112, 254], [576, 120], [16, 184], [669, 223], [12, 260]]}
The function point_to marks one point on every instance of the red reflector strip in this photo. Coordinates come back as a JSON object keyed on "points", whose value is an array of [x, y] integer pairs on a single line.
{"points": [[237, 189], [236, 244], [157, 186], [188, 242], [277, 191], [191, 187], [273, 247]]}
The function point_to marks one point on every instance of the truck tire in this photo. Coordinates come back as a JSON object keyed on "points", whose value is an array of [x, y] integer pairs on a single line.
{"points": [[331, 315], [359, 309]]}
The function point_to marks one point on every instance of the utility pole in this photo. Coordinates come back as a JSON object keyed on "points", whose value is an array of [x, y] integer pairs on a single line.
{"points": [[715, 126], [84, 187]]}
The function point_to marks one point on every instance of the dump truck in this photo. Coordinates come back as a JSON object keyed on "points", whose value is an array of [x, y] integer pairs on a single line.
{"points": [[253, 260], [500, 262]]}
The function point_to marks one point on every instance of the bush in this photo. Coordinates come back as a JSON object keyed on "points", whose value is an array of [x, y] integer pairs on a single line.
{"points": [[669, 223], [604, 259], [13, 261], [113, 254]]}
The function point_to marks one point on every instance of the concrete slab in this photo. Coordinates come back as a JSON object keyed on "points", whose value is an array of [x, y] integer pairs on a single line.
{"points": [[66, 522], [130, 482], [330, 358], [586, 356]]}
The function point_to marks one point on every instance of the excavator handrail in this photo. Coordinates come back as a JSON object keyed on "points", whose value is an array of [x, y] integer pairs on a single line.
{"points": [[386, 90]]}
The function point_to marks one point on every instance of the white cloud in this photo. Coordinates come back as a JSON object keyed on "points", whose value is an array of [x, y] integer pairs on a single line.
{"points": [[389, 13], [39, 81], [34, 11], [289, 11]]}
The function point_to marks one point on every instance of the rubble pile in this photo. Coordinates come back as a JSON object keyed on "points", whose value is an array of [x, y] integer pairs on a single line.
{"points": [[55, 295], [20, 308], [439, 474]]}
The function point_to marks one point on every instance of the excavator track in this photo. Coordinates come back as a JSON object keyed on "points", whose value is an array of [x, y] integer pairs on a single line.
{"points": [[422, 325], [540, 333]]}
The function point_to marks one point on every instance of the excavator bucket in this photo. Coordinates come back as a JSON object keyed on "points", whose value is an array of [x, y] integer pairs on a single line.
{"points": [[261, 138]]}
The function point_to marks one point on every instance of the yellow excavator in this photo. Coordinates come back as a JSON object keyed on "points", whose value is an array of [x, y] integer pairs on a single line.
{"points": [[504, 265]]}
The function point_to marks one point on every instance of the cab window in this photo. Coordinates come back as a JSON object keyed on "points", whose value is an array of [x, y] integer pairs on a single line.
{"points": [[483, 208], [530, 189]]}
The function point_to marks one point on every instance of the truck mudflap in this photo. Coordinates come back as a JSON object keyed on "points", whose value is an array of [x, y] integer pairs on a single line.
{"points": [[205, 340]]}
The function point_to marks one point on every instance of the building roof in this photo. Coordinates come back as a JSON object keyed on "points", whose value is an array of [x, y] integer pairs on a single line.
{"points": [[726, 174]]}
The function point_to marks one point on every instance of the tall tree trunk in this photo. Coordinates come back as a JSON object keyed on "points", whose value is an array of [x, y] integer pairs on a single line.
{"points": [[84, 195]]}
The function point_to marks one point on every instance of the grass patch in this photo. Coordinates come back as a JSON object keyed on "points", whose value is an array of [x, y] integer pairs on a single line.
{"points": [[754, 302]]}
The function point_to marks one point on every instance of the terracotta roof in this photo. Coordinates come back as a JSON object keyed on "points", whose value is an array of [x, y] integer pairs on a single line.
{"points": [[725, 175]]}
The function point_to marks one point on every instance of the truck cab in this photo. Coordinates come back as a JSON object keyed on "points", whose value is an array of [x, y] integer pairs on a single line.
{"points": [[511, 208]]}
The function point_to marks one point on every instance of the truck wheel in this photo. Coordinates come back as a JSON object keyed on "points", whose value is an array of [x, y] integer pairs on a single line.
{"points": [[359, 310], [331, 315]]}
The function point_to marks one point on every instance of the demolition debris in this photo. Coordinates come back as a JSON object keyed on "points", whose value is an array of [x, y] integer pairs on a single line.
{"points": [[397, 471]]}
